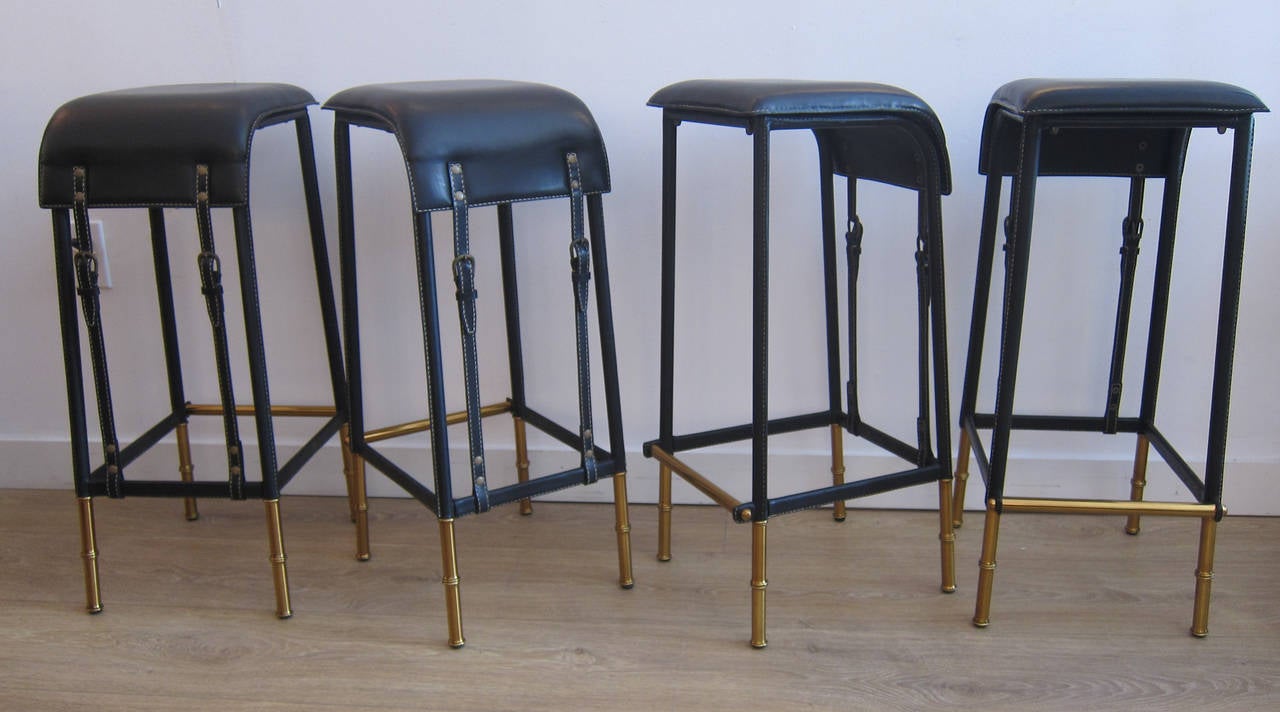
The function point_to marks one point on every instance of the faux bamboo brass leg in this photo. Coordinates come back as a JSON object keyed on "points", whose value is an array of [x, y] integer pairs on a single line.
{"points": [[89, 555], [664, 513], [522, 463], [186, 470], [758, 584], [1139, 482], [623, 528], [275, 540], [947, 535], [348, 469], [452, 598], [1204, 577], [837, 468], [961, 479], [362, 507], [987, 567]]}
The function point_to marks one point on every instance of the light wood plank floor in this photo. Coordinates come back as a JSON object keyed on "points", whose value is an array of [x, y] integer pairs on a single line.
{"points": [[1084, 618]]}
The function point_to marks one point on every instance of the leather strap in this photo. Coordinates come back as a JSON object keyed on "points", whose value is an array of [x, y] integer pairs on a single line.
{"points": [[1131, 234], [86, 267], [464, 272], [580, 270], [210, 268], [853, 254], [922, 300]]}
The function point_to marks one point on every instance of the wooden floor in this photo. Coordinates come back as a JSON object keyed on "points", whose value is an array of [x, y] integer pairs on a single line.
{"points": [[1084, 617]]}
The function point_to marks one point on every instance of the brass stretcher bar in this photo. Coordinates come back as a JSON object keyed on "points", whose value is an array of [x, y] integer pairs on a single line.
{"points": [[300, 411], [419, 426], [1085, 506], [702, 484]]}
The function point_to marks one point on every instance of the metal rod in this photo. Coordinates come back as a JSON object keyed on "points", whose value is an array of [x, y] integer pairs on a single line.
{"points": [[760, 320], [623, 529], [275, 541], [522, 461], [664, 511], [837, 469], [89, 556], [1139, 482], [186, 470], [759, 583], [296, 411], [452, 597], [419, 426], [262, 421], [1204, 577], [667, 329], [987, 566], [1089, 506], [700, 483], [947, 535], [961, 479]]}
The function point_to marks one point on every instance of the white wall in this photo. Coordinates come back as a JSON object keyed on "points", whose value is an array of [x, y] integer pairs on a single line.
{"points": [[613, 55]]}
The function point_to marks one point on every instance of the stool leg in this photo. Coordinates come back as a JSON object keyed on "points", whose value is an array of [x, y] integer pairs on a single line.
{"points": [[1139, 481], [89, 555], [522, 463], [664, 513], [186, 470], [275, 541], [348, 468], [961, 479], [837, 468], [987, 567], [758, 584], [452, 598], [362, 508], [1204, 577], [623, 528], [947, 535]]}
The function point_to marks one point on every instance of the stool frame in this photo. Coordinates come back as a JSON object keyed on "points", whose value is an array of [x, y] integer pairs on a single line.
{"points": [[74, 260], [597, 462], [929, 464], [1207, 492]]}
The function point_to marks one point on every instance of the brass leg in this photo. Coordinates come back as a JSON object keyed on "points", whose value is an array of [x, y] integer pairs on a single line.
{"points": [[362, 508], [664, 513], [758, 584], [348, 469], [522, 464], [275, 540], [987, 566], [962, 478], [947, 535], [1139, 481], [837, 468], [623, 529], [452, 599], [186, 471], [89, 554], [1204, 577]]}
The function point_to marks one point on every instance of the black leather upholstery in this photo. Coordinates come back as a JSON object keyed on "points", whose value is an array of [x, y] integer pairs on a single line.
{"points": [[1094, 96], [1105, 127], [510, 137], [874, 131], [140, 146]]}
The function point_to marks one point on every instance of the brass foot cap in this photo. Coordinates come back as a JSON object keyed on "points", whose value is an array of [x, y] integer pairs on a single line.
{"points": [[193, 517], [838, 519], [949, 589], [457, 645], [980, 624], [94, 611], [759, 646], [362, 557], [529, 513], [627, 585], [1131, 532], [1199, 634], [664, 558], [285, 616], [957, 525]]}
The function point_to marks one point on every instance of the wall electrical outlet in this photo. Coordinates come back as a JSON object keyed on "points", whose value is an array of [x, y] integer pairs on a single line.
{"points": [[99, 237]]}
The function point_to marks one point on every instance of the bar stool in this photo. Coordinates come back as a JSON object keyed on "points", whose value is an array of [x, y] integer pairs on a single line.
{"points": [[477, 143], [864, 132], [183, 146], [1126, 129]]}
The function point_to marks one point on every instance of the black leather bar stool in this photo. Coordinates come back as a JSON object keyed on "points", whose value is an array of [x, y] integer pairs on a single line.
{"points": [[478, 143], [864, 132], [1125, 129], [184, 146]]}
